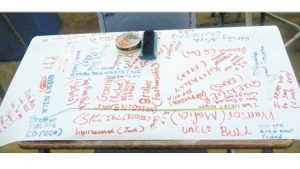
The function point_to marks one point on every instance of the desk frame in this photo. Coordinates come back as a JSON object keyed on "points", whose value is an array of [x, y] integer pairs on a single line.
{"points": [[267, 146]]}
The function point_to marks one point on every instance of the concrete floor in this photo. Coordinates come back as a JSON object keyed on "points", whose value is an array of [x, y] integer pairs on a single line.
{"points": [[88, 22]]}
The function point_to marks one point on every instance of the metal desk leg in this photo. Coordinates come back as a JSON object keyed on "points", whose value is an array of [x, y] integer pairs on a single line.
{"points": [[262, 19], [222, 19], [229, 150], [248, 17], [44, 150], [2, 93], [267, 150]]}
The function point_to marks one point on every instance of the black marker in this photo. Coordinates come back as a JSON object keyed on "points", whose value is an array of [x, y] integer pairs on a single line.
{"points": [[149, 45]]}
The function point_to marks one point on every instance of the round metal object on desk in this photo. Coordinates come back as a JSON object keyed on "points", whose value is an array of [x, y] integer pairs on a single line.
{"points": [[128, 43]]}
